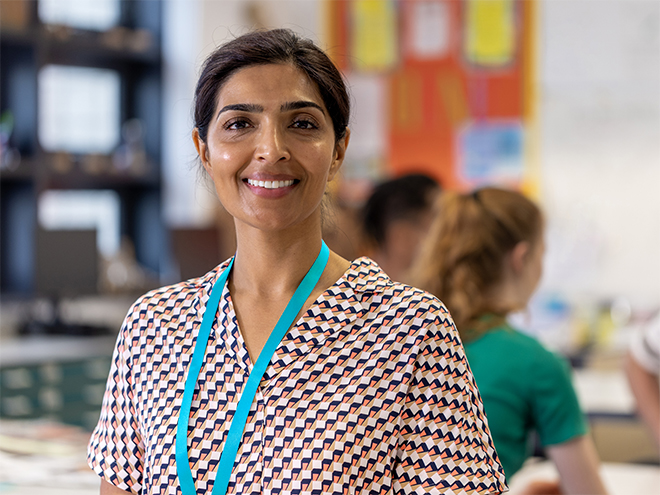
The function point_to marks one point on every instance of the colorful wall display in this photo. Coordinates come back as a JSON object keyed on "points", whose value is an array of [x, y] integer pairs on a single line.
{"points": [[460, 85], [373, 33]]}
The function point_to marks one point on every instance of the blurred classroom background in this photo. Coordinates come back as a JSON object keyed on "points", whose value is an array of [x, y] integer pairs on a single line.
{"points": [[101, 197]]}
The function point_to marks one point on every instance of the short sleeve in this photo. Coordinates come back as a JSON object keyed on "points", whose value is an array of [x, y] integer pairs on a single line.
{"points": [[444, 442], [557, 414], [115, 449]]}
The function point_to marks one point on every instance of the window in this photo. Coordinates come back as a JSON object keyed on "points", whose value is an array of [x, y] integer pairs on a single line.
{"points": [[97, 15], [71, 210], [79, 109]]}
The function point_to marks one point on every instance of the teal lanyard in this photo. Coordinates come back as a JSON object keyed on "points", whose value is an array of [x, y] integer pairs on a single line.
{"points": [[243, 409]]}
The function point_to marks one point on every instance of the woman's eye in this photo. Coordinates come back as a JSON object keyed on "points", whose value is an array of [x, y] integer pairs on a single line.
{"points": [[304, 124], [237, 125]]}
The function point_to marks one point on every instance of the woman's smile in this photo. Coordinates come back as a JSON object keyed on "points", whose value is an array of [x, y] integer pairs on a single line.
{"points": [[271, 188], [268, 184]]}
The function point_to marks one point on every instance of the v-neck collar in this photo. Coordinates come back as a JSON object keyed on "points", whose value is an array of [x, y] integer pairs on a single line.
{"points": [[338, 306]]}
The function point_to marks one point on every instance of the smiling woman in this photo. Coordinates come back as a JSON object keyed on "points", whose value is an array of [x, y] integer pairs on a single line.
{"points": [[287, 369]]}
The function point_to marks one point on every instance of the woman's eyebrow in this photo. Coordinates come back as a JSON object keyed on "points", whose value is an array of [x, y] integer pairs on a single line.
{"points": [[242, 107], [297, 105]]}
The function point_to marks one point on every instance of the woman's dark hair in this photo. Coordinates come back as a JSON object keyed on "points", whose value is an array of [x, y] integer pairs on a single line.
{"points": [[405, 198], [276, 46]]}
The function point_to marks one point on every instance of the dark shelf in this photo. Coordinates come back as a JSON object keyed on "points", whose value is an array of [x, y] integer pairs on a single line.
{"points": [[24, 172], [105, 180], [62, 45], [133, 51], [11, 36], [46, 176]]}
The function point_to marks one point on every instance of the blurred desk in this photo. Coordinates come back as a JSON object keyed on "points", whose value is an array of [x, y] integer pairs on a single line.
{"points": [[619, 435], [37, 350], [40, 457], [604, 392], [619, 479], [13, 489]]}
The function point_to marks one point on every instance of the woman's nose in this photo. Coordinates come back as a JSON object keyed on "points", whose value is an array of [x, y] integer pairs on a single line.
{"points": [[272, 146]]}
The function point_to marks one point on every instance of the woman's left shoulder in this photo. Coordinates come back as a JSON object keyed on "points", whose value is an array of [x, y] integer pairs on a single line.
{"points": [[419, 298], [384, 295]]}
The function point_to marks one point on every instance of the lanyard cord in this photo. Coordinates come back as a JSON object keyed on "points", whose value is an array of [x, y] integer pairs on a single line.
{"points": [[235, 434]]}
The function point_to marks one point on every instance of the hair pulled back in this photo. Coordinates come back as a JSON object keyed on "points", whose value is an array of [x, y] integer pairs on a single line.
{"points": [[463, 255], [276, 46]]}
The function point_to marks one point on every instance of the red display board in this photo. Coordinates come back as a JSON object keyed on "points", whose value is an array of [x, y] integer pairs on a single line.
{"points": [[461, 88]]}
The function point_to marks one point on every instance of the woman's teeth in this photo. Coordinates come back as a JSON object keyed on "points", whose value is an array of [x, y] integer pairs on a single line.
{"points": [[270, 184]]}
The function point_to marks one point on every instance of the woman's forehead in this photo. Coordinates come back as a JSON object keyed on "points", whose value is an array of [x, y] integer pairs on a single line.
{"points": [[269, 82]]}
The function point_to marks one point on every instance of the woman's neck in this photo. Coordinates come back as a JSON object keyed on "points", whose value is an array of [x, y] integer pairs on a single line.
{"points": [[504, 297], [270, 265]]}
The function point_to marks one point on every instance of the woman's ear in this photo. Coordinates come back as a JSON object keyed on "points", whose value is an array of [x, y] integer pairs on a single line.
{"points": [[202, 151], [519, 256], [340, 153]]}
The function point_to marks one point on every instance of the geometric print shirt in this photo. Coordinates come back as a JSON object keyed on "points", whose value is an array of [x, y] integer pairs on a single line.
{"points": [[369, 392]]}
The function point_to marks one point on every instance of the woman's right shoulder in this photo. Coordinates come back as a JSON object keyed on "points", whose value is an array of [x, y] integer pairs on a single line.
{"points": [[176, 297]]}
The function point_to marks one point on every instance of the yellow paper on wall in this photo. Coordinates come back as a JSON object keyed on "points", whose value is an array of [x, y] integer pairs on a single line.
{"points": [[453, 97], [374, 35], [407, 104], [490, 32]]}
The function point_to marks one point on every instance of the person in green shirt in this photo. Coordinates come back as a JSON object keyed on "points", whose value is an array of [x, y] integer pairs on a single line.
{"points": [[483, 258]]}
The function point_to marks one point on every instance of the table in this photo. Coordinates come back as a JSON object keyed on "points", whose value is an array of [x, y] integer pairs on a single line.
{"points": [[619, 478]]}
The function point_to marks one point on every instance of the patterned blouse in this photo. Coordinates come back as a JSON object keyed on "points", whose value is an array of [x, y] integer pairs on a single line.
{"points": [[369, 392]]}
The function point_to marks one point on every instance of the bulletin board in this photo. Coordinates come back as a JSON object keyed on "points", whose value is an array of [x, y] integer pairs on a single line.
{"points": [[460, 84]]}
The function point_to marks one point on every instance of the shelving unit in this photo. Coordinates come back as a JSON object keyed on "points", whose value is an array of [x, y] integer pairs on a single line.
{"points": [[61, 379], [133, 50]]}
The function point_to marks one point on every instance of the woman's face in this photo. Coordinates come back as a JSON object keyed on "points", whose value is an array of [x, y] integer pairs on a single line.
{"points": [[270, 147]]}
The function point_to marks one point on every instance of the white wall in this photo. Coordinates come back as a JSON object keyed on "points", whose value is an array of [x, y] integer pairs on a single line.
{"points": [[186, 201], [600, 149]]}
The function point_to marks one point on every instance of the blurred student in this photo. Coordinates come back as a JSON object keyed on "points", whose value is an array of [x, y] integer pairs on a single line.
{"points": [[396, 217], [643, 368], [483, 259]]}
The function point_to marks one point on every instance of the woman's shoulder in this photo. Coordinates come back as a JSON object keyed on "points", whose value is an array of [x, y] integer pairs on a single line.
{"points": [[511, 336], [506, 351], [180, 293], [529, 348], [514, 342], [383, 294]]}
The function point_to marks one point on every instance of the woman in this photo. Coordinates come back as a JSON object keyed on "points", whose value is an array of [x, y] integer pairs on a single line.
{"points": [[483, 259], [368, 390]]}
